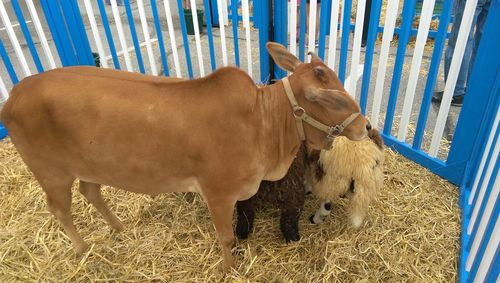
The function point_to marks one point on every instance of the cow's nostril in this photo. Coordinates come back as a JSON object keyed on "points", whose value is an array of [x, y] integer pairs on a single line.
{"points": [[368, 126]]}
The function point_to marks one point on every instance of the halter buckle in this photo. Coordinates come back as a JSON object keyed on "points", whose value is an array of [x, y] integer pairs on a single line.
{"points": [[298, 112], [335, 131]]}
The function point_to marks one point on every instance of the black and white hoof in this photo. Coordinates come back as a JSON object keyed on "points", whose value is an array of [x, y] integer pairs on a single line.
{"points": [[321, 213]]}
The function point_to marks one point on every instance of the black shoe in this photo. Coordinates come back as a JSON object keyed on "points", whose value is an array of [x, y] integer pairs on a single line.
{"points": [[363, 43], [456, 100], [438, 96]]}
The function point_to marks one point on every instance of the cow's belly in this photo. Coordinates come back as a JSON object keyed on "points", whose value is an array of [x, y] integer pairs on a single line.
{"points": [[143, 186]]}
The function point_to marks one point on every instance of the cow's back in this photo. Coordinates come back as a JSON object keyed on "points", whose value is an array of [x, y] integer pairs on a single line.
{"points": [[93, 121]]}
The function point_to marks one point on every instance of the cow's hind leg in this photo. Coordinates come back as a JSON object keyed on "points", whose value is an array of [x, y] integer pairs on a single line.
{"points": [[92, 193], [222, 215], [58, 190]]}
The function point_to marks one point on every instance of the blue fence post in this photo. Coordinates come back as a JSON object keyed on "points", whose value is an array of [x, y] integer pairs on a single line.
{"points": [[109, 35], [68, 32], [80, 39], [481, 97], [27, 35], [208, 20], [264, 28], [185, 38], [344, 45], [8, 64], [302, 29], [280, 31], [215, 12], [372, 36], [432, 76], [53, 17], [160, 38], [133, 32], [234, 19], [408, 12], [324, 25]]}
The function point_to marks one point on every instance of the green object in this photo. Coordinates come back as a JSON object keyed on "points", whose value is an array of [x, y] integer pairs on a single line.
{"points": [[189, 20], [97, 60]]}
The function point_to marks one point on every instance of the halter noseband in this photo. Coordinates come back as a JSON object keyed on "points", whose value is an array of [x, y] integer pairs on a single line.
{"points": [[300, 115]]}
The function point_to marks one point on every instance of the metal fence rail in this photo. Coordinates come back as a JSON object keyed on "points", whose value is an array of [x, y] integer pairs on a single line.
{"points": [[389, 92]]}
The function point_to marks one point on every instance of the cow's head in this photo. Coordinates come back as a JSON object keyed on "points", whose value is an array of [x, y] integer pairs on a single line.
{"points": [[321, 94]]}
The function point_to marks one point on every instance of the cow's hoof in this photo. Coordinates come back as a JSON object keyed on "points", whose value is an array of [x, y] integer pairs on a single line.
{"points": [[81, 248]]}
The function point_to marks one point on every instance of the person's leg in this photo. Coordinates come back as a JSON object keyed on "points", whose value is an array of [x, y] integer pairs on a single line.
{"points": [[450, 49], [366, 22], [481, 14], [462, 75]]}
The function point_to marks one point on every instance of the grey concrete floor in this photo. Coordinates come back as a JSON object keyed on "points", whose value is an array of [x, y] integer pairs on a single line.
{"points": [[255, 62]]}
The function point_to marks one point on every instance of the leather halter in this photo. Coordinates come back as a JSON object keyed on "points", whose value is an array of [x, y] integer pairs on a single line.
{"points": [[300, 115]]}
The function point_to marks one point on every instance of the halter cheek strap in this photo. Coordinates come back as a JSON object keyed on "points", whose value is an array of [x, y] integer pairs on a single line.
{"points": [[300, 115]]}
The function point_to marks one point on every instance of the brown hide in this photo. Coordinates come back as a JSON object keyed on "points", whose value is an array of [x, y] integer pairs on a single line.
{"points": [[220, 135]]}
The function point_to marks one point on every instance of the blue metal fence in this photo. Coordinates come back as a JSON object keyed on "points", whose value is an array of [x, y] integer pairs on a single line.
{"points": [[474, 128]]}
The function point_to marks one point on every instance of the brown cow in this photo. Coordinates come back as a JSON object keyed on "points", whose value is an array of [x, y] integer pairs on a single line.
{"points": [[220, 135]]}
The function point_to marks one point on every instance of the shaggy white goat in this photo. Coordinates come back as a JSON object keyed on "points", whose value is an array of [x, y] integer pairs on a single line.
{"points": [[351, 169]]}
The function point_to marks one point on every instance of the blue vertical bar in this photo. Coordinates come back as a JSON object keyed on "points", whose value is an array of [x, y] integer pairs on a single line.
{"points": [[323, 27], [263, 9], [280, 31], [27, 35], [80, 40], [109, 35], [59, 41], [344, 45], [234, 18], [432, 76], [66, 18], [408, 11], [208, 21], [372, 37], [489, 186], [3, 132], [133, 32], [215, 11], [8, 64], [185, 38], [160, 38], [302, 29], [482, 92], [489, 227], [494, 272]]}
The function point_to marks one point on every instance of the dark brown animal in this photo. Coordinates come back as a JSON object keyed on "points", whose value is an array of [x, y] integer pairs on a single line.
{"points": [[287, 194], [220, 135]]}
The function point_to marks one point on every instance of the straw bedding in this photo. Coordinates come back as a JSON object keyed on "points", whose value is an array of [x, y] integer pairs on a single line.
{"points": [[411, 234]]}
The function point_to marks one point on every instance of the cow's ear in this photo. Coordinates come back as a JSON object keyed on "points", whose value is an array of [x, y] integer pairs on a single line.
{"points": [[282, 57]]}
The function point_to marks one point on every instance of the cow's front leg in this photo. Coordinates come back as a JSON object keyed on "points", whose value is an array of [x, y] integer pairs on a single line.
{"points": [[321, 213], [246, 215], [222, 210], [289, 224]]}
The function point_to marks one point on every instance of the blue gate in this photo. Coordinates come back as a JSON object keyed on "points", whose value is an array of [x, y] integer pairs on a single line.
{"points": [[469, 160]]}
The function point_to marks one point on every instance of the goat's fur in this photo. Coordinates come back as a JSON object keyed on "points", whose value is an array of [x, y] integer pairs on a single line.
{"points": [[350, 169]]}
